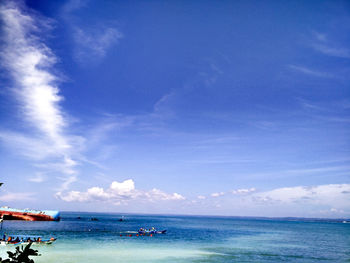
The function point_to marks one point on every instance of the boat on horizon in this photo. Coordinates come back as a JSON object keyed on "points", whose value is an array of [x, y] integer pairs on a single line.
{"points": [[8, 213]]}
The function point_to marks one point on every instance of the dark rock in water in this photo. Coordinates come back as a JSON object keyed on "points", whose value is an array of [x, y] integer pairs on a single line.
{"points": [[94, 219], [78, 217]]}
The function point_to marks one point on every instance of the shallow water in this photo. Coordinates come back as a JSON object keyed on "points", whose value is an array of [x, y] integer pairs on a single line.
{"points": [[189, 239]]}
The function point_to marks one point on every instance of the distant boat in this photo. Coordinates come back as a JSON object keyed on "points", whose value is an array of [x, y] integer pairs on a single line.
{"points": [[151, 231], [8, 213]]}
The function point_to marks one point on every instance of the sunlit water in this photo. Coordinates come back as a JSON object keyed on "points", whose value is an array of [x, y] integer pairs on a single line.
{"points": [[189, 239]]}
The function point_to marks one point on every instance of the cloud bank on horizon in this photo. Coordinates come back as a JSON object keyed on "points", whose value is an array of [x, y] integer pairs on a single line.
{"points": [[118, 193], [96, 103], [329, 198]]}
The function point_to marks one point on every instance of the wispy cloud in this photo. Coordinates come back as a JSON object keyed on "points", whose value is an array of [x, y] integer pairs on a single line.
{"points": [[332, 51], [67, 181], [162, 104], [299, 172], [92, 41], [322, 43], [30, 64], [32, 147], [38, 178], [319, 170], [311, 72], [310, 105], [118, 193], [319, 36], [9, 197], [73, 5]]}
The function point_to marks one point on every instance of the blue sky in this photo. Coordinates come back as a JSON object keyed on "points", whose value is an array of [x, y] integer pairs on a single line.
{"points": [[189, 107]]}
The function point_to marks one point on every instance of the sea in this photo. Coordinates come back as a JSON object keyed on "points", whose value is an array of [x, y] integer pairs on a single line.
{"points": [[101, 237]]}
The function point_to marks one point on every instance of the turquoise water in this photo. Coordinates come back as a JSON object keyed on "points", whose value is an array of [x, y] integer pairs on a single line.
{"points": [[189, 239]]}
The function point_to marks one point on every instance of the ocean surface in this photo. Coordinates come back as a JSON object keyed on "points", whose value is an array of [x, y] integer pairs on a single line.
{"points": [[189, 239]]}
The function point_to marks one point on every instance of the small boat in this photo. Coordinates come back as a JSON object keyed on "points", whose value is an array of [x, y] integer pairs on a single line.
{"points": [[151, 231], [25, 240]]}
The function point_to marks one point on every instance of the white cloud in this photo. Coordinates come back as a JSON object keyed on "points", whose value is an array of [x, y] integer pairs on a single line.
{"points": [[243, 191], [334, 195], [118, 193], [331, 200], [156, 194], [334, 210], [235, 192], [123, 188], [29, 62], [217, 194], [202, 197]]}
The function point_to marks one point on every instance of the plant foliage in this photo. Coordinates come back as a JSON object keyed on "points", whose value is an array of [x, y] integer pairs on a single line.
{"points": [[21, 255]]}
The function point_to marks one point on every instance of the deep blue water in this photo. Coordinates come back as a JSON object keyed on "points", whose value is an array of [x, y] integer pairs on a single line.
{"points": [[189, 239]]}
